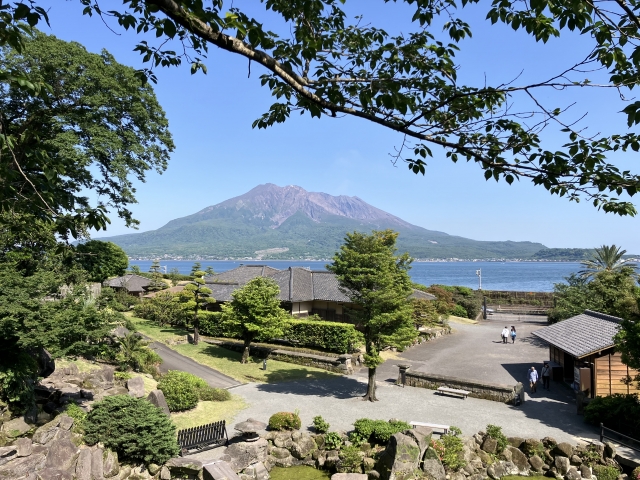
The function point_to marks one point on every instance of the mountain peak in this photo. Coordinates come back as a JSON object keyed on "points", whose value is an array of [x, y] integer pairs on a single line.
{"points": [[276, 204]]}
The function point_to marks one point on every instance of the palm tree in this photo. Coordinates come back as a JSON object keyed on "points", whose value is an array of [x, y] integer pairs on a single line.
{"points": [[605, 258]]}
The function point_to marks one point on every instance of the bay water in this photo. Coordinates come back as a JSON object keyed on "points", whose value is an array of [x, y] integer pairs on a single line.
{"points": [[519, 276]]}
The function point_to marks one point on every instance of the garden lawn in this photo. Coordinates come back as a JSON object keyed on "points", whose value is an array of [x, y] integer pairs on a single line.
{"points": [[227, 361], [208, 412]]}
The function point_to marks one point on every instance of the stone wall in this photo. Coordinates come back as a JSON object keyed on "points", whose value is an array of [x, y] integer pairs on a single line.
{"points": [[487, 391]]}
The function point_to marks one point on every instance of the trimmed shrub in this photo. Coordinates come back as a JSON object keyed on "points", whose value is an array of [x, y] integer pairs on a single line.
{"points": [[618, 412], [132, 427], [320, 424], [332, 336], [606, 472], [181, 390], [495, 432], [332, 441], [211, 325], [210, 394], [453, 449], [350, 460], [378, 431], [285, 421]]}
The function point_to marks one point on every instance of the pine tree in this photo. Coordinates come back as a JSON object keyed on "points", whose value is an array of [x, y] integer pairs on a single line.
{"points": [[378, 283], [156, 278], [194, 298]]}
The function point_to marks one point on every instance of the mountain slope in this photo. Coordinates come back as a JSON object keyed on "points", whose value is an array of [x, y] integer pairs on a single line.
{"points": [[289, 222]]}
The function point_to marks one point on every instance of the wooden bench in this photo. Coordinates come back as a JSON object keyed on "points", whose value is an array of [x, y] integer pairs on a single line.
{"points": [[453, 391], [204, 437], [433, 426]]}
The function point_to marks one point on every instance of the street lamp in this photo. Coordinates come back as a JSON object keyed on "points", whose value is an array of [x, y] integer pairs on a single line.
{"points": [[479, 274]]}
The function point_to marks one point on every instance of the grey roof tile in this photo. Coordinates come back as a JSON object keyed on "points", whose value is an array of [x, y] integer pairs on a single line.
{"points": [[241, 274], [583, 334], [132, 282], [326, 287], [420, 295]]}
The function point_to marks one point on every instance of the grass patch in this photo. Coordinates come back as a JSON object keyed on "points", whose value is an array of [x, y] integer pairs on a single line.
{"points": [[84, 366], [298, 473], [208, 412], [519, 477], [467, 321], [228, 362]]}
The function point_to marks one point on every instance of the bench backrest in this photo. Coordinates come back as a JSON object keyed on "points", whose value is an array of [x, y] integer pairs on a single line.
{"points": [[191, 437]]}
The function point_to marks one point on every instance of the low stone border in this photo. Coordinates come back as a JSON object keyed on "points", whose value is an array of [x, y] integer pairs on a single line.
{"points": [[486, 391]]}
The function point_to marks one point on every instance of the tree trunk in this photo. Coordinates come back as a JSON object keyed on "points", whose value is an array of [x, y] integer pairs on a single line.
{"points": [[371, 387], [196, 333], [245, 352]]}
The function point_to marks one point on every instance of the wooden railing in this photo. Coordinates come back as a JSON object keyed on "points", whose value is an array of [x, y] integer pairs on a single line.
{"points": [[202, 438]]}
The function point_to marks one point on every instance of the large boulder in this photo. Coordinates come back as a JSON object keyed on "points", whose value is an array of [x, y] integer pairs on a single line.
{"points": [[62, 455], [609, 450], [257, 472], [422, 437], [303, 447], [400, 459], [562, 464], [536, 463], [573, 474], [242, 454], [515, 441], [83, 465], [97, 470], [7, 454], [518, 458], [135, 386], [22, 466], [24, 447], [156, 397], [184, 467], [110, 465], [490, 445], [433, 469], [563, 449], [219, 470], [349, 476], [54, 474], [15, 428], [47, 432]]}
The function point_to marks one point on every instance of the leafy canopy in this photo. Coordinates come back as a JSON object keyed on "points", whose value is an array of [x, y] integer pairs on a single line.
{"points": [[328, 63], [95, 127], [607, 257], [102, 260]]}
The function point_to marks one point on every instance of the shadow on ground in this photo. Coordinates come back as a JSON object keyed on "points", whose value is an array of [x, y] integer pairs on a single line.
{"points": [[330, 386]]}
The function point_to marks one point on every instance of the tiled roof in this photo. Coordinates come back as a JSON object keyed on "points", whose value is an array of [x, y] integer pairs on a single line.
{"points": [[132, 282], [326, 287], [221, 292], [420, 295], [583, 334], [241, 274]]}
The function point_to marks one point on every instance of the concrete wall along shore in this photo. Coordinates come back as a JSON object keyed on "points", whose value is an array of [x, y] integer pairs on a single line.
{"points": [[486, 391]]}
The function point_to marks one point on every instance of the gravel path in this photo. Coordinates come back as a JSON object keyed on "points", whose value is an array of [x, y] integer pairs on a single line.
{"points": [[338, 401]]}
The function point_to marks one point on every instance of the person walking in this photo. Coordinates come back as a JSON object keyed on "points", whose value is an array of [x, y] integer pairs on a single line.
{"points": [[513, 334], [505, 334], [546, 375], [533, 379]]}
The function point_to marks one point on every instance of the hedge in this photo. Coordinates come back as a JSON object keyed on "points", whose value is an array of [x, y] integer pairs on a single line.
{"points": [[331, 336]]}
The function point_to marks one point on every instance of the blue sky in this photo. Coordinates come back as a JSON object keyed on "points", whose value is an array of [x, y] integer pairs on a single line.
{"points": [[219, 155]]}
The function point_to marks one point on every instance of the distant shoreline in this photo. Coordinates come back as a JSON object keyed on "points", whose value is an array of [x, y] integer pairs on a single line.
{"points": [[416, 260]]}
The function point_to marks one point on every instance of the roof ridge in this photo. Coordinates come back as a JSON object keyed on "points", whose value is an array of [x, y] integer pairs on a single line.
{"points": [[603, 316]]}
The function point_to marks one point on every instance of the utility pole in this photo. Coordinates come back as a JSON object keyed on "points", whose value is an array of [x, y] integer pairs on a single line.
{"points": [[479, 274]]}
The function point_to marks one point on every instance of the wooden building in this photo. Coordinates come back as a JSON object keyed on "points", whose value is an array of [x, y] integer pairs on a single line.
{"points": [[582, 349]]}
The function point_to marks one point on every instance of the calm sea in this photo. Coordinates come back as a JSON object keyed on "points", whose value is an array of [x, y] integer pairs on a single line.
{"points": [[521, 276]]}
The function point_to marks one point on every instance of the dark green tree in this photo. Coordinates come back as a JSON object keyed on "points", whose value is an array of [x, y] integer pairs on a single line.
{"points": [[209, 270], [194, 297], [254, 312], [378, 283], [102, 260], [156, 278], [95, 127]]}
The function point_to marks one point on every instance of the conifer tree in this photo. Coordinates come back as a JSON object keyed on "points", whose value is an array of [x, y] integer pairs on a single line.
{"points": [[194, 298], [156, 278], [378, 283]]}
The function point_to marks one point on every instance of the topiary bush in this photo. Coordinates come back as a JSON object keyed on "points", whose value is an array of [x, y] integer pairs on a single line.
{"points": [[210, 394], [332, 336], [285, 421], [453, 450], [495, 432], [181, 390], [378, 431], [320, 424], [133, 428]]}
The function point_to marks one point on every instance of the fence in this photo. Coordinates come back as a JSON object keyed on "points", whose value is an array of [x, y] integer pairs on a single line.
{"points": [[603, 436]]}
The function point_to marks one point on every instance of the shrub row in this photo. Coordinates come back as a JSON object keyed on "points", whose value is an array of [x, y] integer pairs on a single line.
{"points": [[331, 336], [378, 431]]}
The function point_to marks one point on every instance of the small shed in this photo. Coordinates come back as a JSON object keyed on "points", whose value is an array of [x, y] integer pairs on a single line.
{"points": [[583, 346]]}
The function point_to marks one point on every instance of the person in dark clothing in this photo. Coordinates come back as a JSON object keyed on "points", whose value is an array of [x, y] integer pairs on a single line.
{"points": [[513, 334], [546, 375]]}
